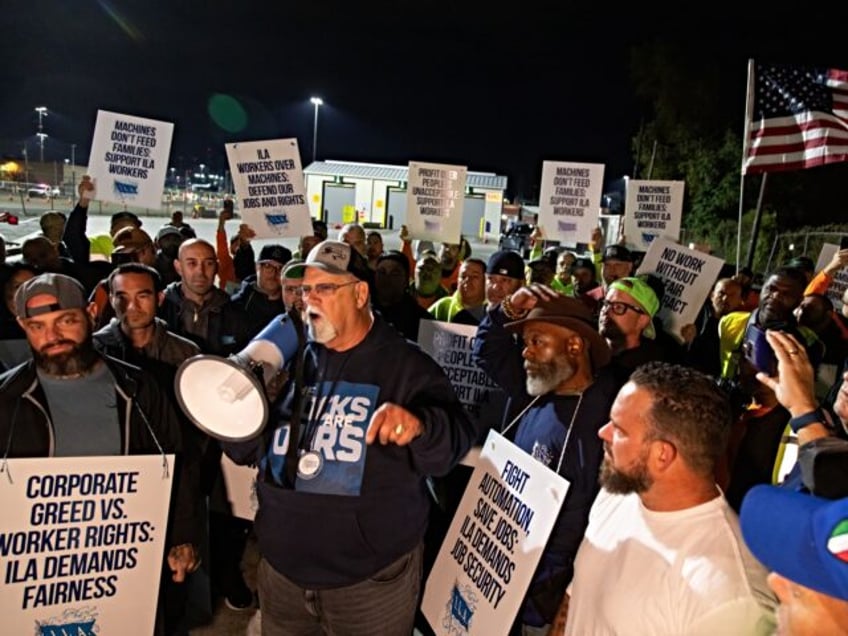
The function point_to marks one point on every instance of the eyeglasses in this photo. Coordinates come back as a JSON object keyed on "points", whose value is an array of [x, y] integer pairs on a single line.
{"points": [[293, 289], [323, 290], [619, 308], [271, 267]]}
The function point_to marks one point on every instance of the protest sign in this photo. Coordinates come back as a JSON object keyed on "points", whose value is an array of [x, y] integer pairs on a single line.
{"points": [[270, 190], [435, 197], [840, 279], [689, 277], [450, 345], [570, 200], [494, 542], [129, 159], [652, 209], [240, 482], [82, 543]]}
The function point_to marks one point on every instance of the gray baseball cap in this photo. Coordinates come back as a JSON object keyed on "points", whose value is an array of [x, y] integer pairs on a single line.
{"points": [[68, 292], [337, 257]]}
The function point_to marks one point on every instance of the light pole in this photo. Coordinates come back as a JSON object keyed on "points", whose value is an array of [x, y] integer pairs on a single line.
{"points": [[26, 166], [316, 101], [42, 113], [73, 170], [41, 137]]}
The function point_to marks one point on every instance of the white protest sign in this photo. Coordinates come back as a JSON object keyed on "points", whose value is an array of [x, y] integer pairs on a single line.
{"points": [[82, 543], [494, 542], [840, 279], [129, 159], [450, 345], [270, 190], [689, 277], [652, 209], [570, 200], [241, 488], [435, 198]]}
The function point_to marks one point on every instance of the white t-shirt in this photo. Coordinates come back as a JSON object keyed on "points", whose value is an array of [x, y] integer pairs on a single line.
{"points": [[684, 572]]}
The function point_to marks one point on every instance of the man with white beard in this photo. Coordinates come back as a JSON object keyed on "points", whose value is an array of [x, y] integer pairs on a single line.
{"points": [[342, 468], [557, 370]]}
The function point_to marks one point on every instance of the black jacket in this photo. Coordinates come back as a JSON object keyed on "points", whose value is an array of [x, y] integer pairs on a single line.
{"points": [[218, 327], [258, 308], [148, 426], [368, 505]]}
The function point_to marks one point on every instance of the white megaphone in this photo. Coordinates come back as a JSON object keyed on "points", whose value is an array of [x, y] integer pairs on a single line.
{"points": [[224, 396]]}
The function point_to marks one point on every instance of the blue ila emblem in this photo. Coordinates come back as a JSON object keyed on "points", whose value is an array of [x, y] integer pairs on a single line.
{"points": [[72, 622], [125, 188], [460, 610], [277, 219], [648, 238]]}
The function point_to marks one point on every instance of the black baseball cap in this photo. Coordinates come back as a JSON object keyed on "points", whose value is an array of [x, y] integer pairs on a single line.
{"points": [[583, 263], [617, 253], [276, 253], [506, 263]]}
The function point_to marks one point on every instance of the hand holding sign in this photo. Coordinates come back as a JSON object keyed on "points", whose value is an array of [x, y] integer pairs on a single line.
{"points": [[183, 559], [85, 190]]}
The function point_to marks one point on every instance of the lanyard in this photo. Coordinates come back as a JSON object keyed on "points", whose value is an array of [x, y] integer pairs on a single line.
{"points": [[567, 431]]}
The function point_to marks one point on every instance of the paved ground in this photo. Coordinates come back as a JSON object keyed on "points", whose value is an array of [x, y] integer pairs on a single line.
{"points": [[227, 622], [98, 223]]}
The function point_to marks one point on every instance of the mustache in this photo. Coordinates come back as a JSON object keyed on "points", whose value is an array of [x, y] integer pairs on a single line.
{"points": [[57, 343]]}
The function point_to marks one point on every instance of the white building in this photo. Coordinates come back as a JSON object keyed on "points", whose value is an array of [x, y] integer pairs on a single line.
{"points": [[375, 195]]}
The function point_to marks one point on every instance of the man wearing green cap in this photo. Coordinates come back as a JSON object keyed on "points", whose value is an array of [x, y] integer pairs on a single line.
{"points": [[626, 322]]}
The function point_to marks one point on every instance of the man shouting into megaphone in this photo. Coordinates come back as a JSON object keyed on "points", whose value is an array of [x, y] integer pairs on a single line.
{"points": [[343, 502]]}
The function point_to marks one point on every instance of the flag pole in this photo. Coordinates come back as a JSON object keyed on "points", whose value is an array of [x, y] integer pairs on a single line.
{"points": [[755, 228], [746, 142]]}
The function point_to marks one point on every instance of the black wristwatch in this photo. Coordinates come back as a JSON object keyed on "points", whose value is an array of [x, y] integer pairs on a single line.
{"points": [[818, 415]]}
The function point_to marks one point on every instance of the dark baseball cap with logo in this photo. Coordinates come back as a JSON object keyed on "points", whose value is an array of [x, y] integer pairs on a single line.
{"points": [[617, 253], [67, 291], [337, 257], [506, 263], [583, 263], [277, 253]]}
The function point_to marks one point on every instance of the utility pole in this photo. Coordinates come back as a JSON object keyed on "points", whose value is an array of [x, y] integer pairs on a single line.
{"points": [[73, 170], [42, 113]]}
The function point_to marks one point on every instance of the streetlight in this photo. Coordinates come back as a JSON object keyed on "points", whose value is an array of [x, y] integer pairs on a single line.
{"points": [[41, 137], [42, 113], [316, 101], [73, 169], [26, 164]]}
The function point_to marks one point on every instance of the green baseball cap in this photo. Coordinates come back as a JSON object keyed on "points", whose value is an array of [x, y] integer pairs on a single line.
{"points": [[644, 296]]}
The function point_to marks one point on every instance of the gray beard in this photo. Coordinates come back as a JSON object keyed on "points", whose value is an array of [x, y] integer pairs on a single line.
{"points": [[547, 376], [322, 334]]}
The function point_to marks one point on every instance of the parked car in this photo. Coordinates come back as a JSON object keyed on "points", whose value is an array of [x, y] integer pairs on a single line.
{"points": [[43, 191], [517, 239]]}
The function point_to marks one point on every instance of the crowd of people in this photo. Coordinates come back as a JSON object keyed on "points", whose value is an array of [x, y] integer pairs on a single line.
{"points": [[708, 488]]}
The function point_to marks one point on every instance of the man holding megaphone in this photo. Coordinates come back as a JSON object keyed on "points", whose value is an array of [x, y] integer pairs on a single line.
{"points": [[342, 468]]}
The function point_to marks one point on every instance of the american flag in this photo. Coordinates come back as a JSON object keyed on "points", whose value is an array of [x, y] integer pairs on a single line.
{"points": [[798, 118]]}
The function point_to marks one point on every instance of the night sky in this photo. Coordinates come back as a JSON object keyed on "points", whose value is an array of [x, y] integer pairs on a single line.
{"points": [[499, 89]]}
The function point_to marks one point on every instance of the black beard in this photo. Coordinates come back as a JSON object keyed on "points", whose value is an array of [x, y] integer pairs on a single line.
{"points": [[620, 483], [611, 331], [80, 360]]}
